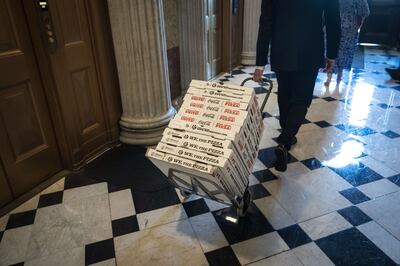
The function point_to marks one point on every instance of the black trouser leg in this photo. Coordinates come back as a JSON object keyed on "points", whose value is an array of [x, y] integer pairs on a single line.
{"points": [[283, 96], [301, 87]]}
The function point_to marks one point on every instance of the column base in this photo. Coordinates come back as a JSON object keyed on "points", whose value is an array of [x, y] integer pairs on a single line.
{"points": [[248, 58], [144, 132]]}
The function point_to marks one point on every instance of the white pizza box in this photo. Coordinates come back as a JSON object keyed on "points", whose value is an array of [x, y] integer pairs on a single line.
{"points": [[210, 113], [206, 99], [223, 163], [220, 94], [244, 130], [192, 108], [229, 87], [193, 176], [207, 140], [202, 102], [222, 132], [229, 152]]}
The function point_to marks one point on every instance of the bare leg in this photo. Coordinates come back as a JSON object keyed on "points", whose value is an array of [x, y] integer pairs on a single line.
{"points": [[339, 75], [328, 79]]}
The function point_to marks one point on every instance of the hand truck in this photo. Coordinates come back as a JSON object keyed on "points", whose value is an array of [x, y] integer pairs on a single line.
{"points": [[239, 204]]}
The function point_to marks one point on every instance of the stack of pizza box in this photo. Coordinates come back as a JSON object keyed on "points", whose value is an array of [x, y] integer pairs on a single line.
{"points": [[211, 144]]}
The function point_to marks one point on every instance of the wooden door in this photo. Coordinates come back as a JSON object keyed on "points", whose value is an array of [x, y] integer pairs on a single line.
{"points": [[5, 191], [383, 24], [214, 37], [28, 148], [76, 78]]}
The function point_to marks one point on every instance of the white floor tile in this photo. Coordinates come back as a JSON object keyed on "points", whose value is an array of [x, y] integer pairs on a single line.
{"points": [[293, 170], [208, 232], [377, 166], [3, 222], [28, 205], [58, 186], [161, 216], [285, 258], [85, 192], [325, 225], [378, 188], [215, 205], [259, 248], [68, 257], [70, 225], [311, 255], [309, 196], [170, 244], [110, 262], [385, 211], [14, 244], [274, 213], [382, 239], [121, 204]]}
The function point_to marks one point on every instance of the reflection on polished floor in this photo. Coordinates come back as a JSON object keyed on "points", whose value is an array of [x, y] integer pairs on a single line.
{"points": [[337, 204]]}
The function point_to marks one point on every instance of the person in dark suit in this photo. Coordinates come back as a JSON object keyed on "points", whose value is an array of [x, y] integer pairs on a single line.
{"points": [[295, 31]]}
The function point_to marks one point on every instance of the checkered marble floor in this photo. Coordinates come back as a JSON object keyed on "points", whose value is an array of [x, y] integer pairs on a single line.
{"points": [[337, 204]]}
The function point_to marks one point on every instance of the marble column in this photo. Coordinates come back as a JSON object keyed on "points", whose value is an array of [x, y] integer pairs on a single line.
{"points": [[192, 40], [251, 17], [140, 50]]}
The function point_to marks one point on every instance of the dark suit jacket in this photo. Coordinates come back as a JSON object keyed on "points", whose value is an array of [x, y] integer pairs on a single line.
{"points": [[294, 28]]}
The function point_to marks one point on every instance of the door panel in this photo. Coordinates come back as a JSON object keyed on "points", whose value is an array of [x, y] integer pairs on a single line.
{"points": [[5, 192], [215, 37], [75, 76], [27, 143]]}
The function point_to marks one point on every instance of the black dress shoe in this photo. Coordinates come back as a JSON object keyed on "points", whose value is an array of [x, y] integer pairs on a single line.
{"points": [[293, 142], [281, 158]]}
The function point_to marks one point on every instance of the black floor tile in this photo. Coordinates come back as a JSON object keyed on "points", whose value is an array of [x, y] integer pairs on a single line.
{"points": [[78, 180], [224, 80], [258, 191], [266, 115], [322, 124], [354, 215], [148, 201], [237, 72], [294, 236], [312, 163], [99, 251], [21, 219], [125, 226], [270, 75], [354, 195], [306, 121], [1, 235], [264, 175], [329, 99], [221, 257], [391, 134], [260, 90], [50, 199], [351, 247], [268, 158], [359, 131], [383, 106], [195, 207], [114, 188], [18, 264], [357, 174], [252, 225], [395, 179]]}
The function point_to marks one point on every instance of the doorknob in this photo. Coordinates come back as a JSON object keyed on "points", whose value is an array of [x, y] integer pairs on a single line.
{"points": [[46, 26]]}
